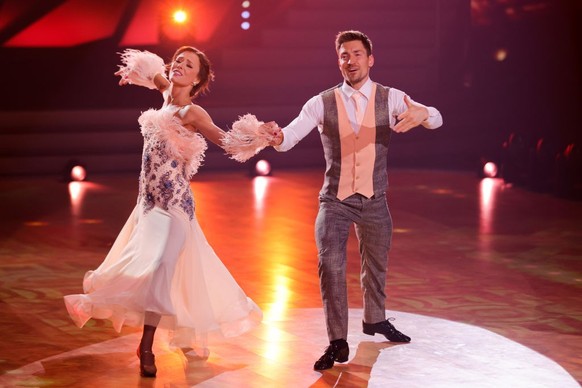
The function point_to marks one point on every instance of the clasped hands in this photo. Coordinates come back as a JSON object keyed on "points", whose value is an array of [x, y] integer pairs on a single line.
{"points": [[272, 132]]}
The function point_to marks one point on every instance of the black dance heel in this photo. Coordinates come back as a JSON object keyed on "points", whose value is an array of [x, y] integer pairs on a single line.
{"points": [[147, 363]]}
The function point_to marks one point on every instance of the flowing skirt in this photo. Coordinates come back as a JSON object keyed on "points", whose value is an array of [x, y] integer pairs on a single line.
{"points": [[162, 264]]}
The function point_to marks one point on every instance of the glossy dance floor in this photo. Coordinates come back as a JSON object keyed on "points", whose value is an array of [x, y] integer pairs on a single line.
{"points": [[484, 277]]}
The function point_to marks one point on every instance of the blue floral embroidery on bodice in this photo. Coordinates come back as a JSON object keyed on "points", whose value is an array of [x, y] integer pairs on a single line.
{"points": [[164, 178]]}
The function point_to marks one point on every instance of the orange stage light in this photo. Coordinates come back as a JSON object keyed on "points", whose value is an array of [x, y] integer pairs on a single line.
{"points": [[179, 16]]}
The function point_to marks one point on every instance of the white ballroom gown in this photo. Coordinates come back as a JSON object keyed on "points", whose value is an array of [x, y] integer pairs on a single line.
{"points": [[161, 262]]}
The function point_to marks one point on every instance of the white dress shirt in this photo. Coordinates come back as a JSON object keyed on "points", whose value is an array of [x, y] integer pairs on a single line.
{"points": [[311, 114]]}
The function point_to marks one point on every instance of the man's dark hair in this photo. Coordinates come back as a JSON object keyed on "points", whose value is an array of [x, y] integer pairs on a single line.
{"points": [[348, 36]]}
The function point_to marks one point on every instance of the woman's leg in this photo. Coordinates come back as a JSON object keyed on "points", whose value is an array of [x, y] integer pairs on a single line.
{"points": [[149, 330], [147, 360], [158, 300]]}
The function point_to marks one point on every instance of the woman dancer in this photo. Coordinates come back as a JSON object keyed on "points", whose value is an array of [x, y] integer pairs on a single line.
{"points": [[161, 271]]}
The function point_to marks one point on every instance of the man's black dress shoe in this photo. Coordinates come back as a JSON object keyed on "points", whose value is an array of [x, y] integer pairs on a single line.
{"points": [[338, 350], [386, 328]]}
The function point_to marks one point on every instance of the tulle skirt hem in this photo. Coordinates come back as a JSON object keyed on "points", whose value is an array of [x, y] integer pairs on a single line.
{"points": [[162, 266]]}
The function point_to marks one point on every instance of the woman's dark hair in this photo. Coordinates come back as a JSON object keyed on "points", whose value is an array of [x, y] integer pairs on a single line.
{"points": [[348, 36], [205, 74]]}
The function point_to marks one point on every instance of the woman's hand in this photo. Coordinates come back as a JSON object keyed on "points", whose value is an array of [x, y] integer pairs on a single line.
{"points": [[273, 132], [123, 80]]}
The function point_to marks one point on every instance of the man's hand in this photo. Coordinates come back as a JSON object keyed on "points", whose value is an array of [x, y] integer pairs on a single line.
{"points": [[411, 117]]}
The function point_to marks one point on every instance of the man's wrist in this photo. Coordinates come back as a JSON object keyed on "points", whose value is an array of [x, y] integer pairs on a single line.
{"points": [[427, 115]]}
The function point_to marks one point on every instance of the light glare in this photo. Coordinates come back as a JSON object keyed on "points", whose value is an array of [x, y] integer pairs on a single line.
{"points": [[263, 167], [501, 55], [78, 173], [180, 16], [490, 170]]}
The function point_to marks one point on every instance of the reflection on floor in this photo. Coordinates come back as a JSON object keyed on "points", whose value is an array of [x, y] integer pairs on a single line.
{"points": [[280, 354], [484, 277]]}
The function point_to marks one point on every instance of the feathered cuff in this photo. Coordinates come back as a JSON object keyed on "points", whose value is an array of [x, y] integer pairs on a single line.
{"points": [[140, 67], [245, 139]]}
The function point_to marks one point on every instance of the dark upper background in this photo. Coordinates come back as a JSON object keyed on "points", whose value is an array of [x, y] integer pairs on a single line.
{"points": [[60, 101]]}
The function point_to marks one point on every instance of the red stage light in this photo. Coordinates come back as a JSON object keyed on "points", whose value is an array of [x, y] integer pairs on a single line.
{"points": [[490, 170], [69, 24], [262, 168], [78, 173]]}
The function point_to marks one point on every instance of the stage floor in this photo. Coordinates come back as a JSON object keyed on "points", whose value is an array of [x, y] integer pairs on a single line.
{"points": [[486, 278]]}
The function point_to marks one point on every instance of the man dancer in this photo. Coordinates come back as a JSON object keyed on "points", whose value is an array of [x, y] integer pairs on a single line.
{"points": [[355, 120]]}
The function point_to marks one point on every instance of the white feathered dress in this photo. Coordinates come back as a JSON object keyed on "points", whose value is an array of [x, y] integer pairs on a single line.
{"points": [[161, 261]]}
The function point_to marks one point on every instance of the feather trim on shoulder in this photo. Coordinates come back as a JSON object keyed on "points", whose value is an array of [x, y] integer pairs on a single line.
{"points": [[187, 146]]}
